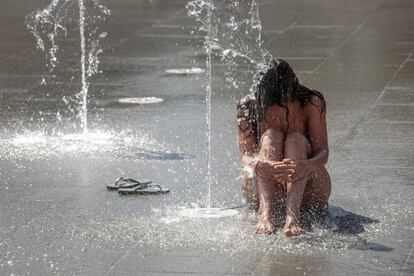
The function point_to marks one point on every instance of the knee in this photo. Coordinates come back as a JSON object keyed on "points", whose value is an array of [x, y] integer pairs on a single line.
{"points": [[271, 137], [296, 139], [297, 146], [271, 144]]}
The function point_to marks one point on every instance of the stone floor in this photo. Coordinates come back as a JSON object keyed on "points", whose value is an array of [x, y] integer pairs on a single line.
{"points": [[58, 218]]}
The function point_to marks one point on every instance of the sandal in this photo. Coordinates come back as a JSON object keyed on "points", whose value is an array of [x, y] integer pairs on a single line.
{"points": [[126, 183], [144, 189]]}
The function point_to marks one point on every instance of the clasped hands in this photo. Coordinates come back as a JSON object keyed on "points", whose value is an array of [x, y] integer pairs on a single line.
{"points": [[287, 170]]}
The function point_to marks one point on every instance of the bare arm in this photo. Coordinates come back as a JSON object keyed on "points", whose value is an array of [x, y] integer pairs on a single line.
{"points": [[247, 141], [318, 135], [249, 154], [318, 140]]}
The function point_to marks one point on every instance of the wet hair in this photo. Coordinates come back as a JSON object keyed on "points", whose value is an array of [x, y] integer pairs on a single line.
{"points": [[246, 110], [278, 86]]}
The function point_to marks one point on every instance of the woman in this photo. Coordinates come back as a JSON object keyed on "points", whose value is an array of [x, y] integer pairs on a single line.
{"points": [[284, 148]]}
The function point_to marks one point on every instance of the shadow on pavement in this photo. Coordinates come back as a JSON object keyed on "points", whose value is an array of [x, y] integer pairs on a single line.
{"points": [[345, 222], [348, 225]]}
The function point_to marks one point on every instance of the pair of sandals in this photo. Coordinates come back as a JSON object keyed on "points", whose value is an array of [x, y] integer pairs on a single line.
{"points": [[129, 186]]}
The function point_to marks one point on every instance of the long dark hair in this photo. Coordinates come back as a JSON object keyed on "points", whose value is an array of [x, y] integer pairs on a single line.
{"points": [[279, 86], [246, 111]]}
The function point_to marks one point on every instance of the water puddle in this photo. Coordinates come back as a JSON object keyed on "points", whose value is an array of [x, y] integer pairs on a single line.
{"points": [[233, 231]]}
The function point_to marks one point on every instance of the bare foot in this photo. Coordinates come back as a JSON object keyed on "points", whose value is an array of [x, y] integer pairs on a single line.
{"points": [[292, 227], [264, 224]]}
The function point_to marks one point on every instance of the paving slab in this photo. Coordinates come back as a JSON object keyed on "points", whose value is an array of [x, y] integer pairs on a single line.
{"points": [[59, 219]]}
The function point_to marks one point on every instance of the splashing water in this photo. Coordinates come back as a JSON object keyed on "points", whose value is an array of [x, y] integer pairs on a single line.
{"points": [[119, 145], [186, 226], [208, 98], [233, 28], [51, 25], [84, 92]]}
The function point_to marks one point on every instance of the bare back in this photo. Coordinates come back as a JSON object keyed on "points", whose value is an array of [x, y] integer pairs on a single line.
{"points": [[308, 120]]}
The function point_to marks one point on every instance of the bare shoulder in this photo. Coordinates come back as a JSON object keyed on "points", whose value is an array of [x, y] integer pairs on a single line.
{"points": [[316, 105]]}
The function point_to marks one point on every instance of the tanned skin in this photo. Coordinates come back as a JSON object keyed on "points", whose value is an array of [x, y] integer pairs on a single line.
{"points": [[291, 167]]}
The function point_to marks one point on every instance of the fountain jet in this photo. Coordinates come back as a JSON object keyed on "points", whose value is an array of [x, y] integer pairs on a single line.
{"points": [[234, 29], [51, 24]]}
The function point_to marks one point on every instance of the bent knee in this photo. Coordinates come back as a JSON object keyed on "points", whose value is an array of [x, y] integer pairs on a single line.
{"points": [[297, 146], [271, 135], [319, 186], [296, 138]]}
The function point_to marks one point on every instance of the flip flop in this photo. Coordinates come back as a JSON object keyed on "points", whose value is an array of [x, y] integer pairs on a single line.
{"points": [[126, 183], [145, 189]]}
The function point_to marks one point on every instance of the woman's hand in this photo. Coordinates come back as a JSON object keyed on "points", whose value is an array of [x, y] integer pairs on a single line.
{"points": [[264, 169], [286, 170], [278, 170], [299, 169]]}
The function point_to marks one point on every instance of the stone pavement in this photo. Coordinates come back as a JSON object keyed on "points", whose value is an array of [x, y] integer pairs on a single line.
{"points": [[58, 218]]}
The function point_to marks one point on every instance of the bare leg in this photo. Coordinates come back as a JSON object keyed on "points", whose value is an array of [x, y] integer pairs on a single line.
{"points": [[296, 148], [317, 192], [250, 190], [269, 190]]}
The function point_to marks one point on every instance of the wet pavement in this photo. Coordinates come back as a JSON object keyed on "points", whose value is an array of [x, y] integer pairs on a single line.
{"points": [[58, 218]]}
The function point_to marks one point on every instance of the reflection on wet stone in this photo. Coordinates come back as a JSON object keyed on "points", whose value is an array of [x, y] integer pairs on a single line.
{"points": [[58, 217]]}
